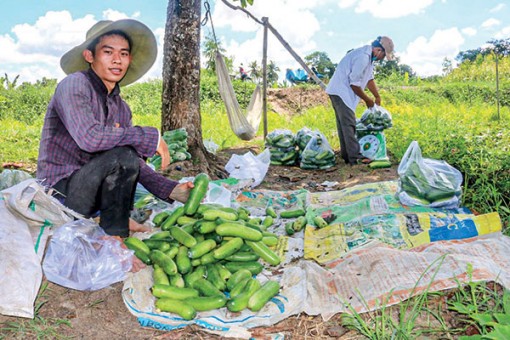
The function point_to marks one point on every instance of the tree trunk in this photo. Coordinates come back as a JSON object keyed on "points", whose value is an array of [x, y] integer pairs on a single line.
{"points": [[181, 75]]}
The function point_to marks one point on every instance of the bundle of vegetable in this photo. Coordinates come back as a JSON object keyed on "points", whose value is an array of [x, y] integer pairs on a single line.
{"points": [[318, 154], [177, 141], [375, 118], [281, 144], [204, 251], [303, 136], [428, 182]]}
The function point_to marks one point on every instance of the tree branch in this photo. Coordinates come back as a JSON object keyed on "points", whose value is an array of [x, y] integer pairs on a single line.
{"points": [[282, 41], [242, 9]]}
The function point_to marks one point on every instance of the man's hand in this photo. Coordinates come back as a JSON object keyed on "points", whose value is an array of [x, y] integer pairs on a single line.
{"points": [[370, 103], [162, 150], [181, 192], [136, 263], [378, 101]]}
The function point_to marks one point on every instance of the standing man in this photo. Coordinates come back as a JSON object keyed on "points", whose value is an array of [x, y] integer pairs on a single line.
{"points": [[90, 153], [352, 76]]}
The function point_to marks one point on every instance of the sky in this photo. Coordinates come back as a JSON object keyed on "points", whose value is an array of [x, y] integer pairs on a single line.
{"points": [[34, 34]]}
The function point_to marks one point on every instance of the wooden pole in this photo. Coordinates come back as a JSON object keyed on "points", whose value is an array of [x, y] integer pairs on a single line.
{"points": [[297, 57], [282, 41], [264, 76], [497, 83]]}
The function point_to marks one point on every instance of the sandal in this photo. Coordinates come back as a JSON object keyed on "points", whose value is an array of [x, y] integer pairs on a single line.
{"points": [[364, 161]]}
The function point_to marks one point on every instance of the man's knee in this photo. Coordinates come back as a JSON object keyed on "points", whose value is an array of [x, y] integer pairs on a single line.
{"points": [[126, 157]]}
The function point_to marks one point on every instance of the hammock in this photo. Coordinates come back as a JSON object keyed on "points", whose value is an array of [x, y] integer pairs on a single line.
{"points": [[244, 125]]}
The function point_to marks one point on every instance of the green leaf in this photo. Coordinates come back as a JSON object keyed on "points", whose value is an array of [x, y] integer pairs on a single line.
{"points": [[461, 308], [500, 332], [506, 301], [483, 319], [502, 318]]}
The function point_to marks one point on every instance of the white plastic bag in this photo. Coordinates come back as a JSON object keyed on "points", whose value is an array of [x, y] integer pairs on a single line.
{"points": [[82, 256], [211, 146], [249, 166]]}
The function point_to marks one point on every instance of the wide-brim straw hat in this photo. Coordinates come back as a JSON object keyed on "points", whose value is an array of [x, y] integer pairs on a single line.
{"points": [[143, 48]]}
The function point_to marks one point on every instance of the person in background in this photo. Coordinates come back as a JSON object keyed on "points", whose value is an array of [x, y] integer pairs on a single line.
{"points": [[243, 74], [352, 76], [90, 155]]}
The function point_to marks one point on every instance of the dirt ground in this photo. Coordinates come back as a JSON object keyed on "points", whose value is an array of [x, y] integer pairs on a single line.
{"points": [[296, 99], [103, 315]]}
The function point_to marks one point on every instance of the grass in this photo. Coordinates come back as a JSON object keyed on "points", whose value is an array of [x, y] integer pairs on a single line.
{"points": [[388, 323], [480, 307], [38, 327]]}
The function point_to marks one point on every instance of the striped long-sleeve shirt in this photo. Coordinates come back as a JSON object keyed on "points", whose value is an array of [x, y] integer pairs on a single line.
{"points": [[83, 119]]}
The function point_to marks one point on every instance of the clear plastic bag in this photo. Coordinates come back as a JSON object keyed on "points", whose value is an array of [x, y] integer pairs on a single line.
{"points": [[303, 136], [318, 154], [428, 182], [281, 138], [9, 178], [249, 166], [376, 118], [82, 256]]}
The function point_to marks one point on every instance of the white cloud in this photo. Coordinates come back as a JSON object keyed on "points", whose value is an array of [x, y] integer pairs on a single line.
{"points": [[33, 50], [111, 14], [387, 9], [425, 56], [469, 31], [285, 16], [53, 34], [497, 8], [503, 33], [490, 23]]}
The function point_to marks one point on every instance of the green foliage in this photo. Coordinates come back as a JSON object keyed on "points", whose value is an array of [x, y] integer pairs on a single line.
{"points": [[144, 98], [321, 62], [272, 73], [500, 47], [481, 69], [483, 307], [210, 47], [26, 102], [209, 89], [390, 68], [245, 3]]}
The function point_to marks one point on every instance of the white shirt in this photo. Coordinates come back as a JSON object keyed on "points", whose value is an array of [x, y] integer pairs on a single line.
{"points": [[356, 68]]}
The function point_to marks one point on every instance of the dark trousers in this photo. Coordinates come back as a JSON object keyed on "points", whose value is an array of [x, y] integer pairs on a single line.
{"points": [[346, 126], [106, 184]]}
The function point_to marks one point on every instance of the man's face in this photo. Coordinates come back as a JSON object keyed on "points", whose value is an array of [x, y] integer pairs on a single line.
{"points": [[379, 53], [111, 60]]}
